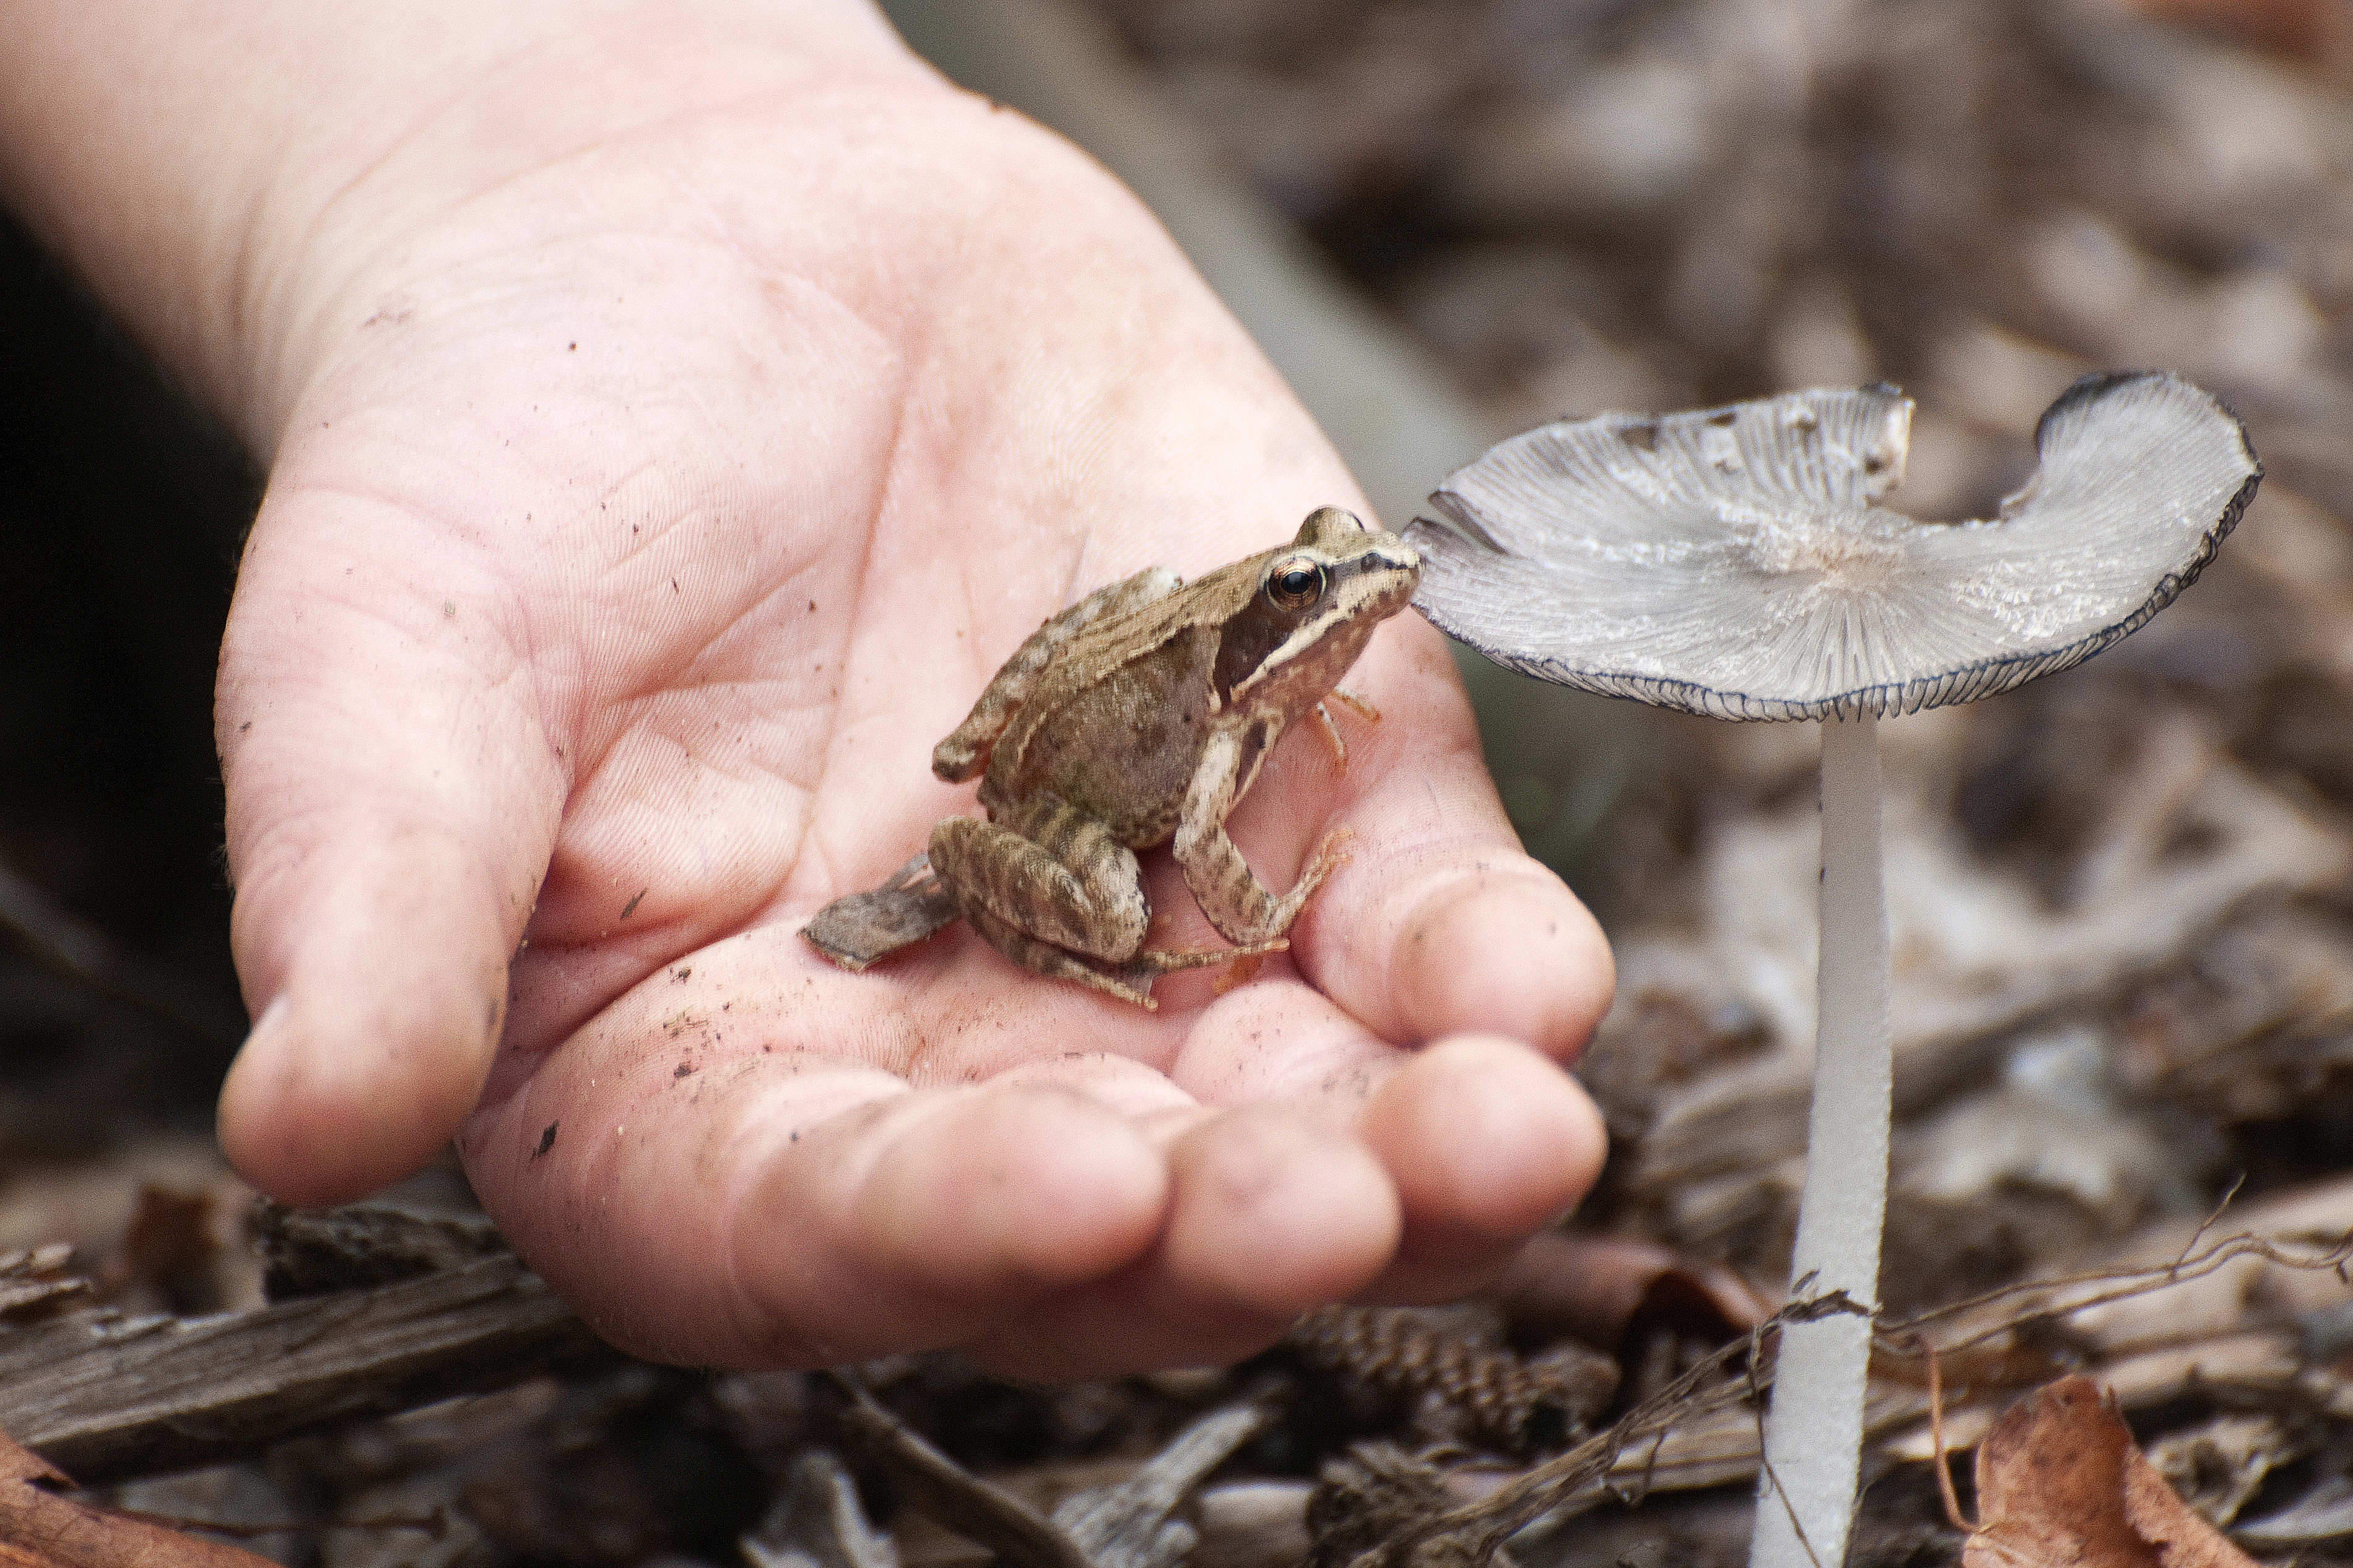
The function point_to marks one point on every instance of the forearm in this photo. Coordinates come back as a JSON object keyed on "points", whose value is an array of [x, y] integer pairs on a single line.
{"points": [[232, 179]]}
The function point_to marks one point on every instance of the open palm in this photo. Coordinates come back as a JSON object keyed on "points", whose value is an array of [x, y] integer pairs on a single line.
{"points": [[655, 509]]}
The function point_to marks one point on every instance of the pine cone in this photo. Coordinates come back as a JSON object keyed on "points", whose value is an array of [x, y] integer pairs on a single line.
{"points": [[1469, 1384]]}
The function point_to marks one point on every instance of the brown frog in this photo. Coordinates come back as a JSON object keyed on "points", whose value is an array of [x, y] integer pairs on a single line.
{"points": [[1139, 714]]}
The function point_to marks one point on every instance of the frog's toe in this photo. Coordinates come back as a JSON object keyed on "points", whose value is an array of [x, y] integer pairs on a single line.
{"points": [[1110, 986], [1116, 985], [1167, 961]]}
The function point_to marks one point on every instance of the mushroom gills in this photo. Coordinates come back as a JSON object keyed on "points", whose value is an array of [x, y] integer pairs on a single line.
{"points": [[1737, 561]]}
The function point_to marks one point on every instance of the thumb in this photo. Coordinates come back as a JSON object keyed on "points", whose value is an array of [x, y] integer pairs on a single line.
{"points": [[392, 804]]}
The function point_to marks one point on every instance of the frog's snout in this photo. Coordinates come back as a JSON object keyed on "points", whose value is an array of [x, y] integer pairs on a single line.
{"points": [[1393, 570]]}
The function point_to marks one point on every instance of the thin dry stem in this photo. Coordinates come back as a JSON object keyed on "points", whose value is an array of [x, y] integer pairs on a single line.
{"points": [[1596, 1469]]}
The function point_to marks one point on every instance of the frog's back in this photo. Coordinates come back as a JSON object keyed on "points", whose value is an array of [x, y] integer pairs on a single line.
{"points": [[1115, 735]]}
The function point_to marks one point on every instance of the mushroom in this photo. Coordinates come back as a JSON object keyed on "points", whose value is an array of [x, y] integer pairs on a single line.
{"points": [[1735, 561]]}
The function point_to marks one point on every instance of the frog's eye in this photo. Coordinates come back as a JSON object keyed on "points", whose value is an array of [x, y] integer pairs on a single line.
{"points": [[1295, 582]]}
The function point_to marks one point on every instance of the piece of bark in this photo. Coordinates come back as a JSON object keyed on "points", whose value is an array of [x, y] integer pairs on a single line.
{"points": [[311, 1252], [818, 1523], [40, 1528], [1130, 1524], [2220, 1465], [2061, 1481], [2324, 1514], [947, 1494], [1253, 1524], [34, 1282], [1133, 1524], [111, 1400], [1374, 1494]]}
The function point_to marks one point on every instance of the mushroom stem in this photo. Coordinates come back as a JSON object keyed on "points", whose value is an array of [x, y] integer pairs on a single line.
{"points": [[1813, 1435]]}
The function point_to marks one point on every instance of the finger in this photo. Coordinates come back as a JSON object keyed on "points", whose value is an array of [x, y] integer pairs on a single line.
{"points": [[1441, 924], [1483, 1139], [706, 1177], [390, 808], [1269, 1215], [923, 1220], [1487, 1142], [1273, 1214]]}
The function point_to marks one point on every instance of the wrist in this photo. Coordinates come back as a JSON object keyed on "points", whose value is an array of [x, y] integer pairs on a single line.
{"points": [[248, 189]]}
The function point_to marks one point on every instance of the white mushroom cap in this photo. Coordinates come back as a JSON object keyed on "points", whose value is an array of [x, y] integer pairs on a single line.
{"points": [[1735, 561]]}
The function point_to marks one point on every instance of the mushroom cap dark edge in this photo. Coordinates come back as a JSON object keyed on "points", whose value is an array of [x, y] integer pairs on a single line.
{"points": [[1735, 561]]}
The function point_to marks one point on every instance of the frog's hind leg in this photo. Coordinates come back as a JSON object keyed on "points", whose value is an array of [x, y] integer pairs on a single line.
{"points": [[1239, 964], [1057, 963], [1131, 980], [1167, 961], [1051, 873]]}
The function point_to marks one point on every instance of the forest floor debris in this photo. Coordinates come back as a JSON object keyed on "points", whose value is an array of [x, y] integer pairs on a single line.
{"points": [[2122, 898]]}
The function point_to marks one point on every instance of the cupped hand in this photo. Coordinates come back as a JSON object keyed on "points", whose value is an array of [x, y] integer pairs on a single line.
{"points": [[645, 507]]}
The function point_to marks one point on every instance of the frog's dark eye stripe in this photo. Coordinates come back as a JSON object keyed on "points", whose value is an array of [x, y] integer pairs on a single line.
{"points": [[1295, 582]]}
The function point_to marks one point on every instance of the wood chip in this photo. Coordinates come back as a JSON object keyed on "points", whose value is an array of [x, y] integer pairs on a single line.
{"points": [[112, 1399]]}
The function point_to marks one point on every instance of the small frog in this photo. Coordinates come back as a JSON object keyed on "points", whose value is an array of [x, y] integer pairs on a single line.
{"points": [[1140, 713]]}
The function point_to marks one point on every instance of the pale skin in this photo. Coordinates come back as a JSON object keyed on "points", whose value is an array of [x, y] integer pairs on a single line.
{"points": [[673, 415]]}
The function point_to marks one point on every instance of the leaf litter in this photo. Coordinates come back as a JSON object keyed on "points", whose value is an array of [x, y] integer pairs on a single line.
{"points": [[2122, 905]]}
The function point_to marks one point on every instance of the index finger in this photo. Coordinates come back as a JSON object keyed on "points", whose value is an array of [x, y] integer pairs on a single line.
{"points": [[1440, 923]]}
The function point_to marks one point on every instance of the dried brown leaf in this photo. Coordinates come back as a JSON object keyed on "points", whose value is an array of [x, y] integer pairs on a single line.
{"points": [[2061, 1482], [19, 1464], [40, 1528], [1604, 1290]]}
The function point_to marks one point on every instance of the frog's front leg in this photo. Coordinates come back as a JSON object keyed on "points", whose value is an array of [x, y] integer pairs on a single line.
{"points": [[1228, 890], [1049, 872]]}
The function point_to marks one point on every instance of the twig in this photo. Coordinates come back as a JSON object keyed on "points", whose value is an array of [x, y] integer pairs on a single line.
{"points": [[2130, 1282], [1937, 1438]]}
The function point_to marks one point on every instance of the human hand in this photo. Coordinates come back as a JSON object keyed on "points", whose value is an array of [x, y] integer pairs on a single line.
{"points": [[670, 440]]}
